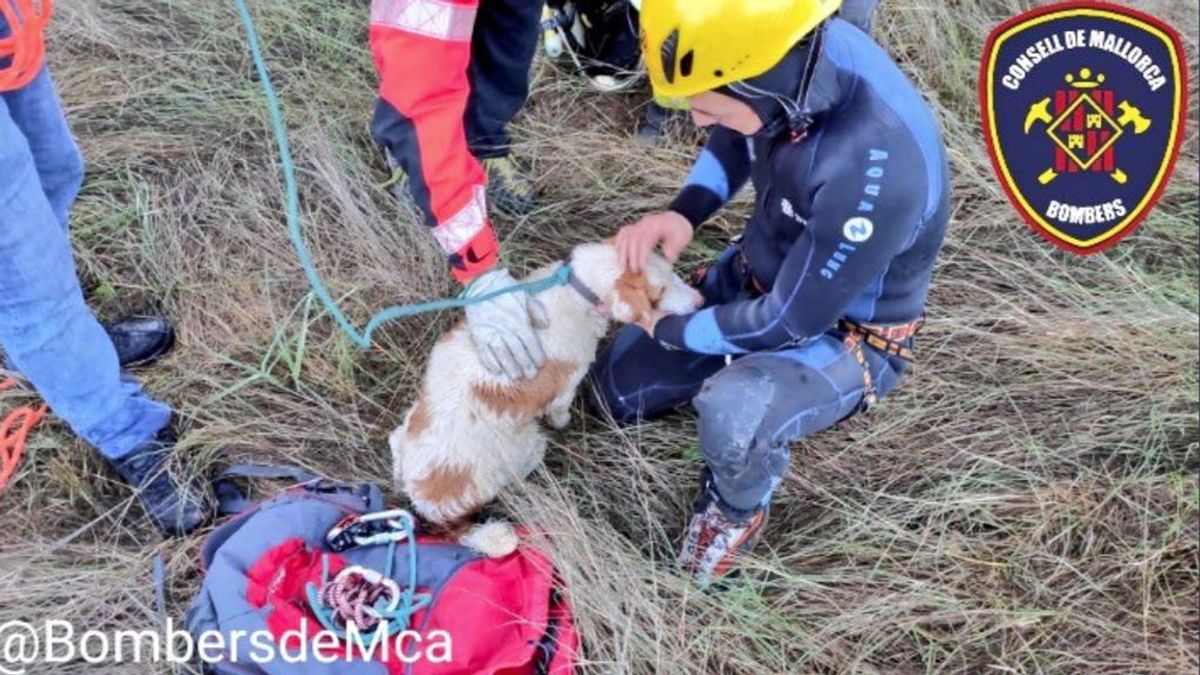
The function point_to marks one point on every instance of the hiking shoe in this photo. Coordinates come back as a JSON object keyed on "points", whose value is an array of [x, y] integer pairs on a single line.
{"points": [[714, 540], [508, 190], [141, 339], [176, 508]]}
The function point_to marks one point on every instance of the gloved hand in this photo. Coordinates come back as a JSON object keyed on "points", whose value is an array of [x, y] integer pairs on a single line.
{"points": [[503, 328]]}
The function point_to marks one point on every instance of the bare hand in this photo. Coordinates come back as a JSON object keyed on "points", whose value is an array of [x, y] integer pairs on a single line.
{"points": [[635, 242]]}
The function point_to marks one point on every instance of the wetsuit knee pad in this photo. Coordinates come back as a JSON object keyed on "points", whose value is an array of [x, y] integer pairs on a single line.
{"points": [[733, 404]]}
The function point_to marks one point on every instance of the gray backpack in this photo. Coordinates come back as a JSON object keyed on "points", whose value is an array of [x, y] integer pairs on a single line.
{"points": [[283, 574]]}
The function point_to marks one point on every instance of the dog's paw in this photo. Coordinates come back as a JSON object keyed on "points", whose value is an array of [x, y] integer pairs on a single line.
{"points": [[494, 539], [560, 418]]}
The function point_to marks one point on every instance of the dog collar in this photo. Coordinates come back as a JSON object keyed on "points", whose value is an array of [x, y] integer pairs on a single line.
{"points": [[583, 290]]}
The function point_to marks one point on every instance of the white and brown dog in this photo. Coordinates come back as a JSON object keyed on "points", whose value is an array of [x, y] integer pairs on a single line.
{"points": [[470, 434]]}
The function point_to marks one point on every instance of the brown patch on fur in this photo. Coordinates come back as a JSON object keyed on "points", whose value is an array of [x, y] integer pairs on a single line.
{"points": [[445, 483], [633, 290], [656, 295], [528, 398], [418, 420], [452, 530]]}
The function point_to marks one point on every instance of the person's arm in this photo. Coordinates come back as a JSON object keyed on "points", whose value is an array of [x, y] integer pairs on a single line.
{"points": [[842, 250], [421, 50], [720, 171], [722, 168]]}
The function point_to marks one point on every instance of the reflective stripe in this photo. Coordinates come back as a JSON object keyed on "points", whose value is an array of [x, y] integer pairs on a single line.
{"points": [[431, 18], [458, 230]]}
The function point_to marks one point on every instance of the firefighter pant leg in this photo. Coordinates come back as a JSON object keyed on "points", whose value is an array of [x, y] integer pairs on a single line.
{"points": [[502, 48]]}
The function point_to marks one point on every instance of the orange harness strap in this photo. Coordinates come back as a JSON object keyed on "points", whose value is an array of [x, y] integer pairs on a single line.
{"points": [[14, 432], [25, 48]]}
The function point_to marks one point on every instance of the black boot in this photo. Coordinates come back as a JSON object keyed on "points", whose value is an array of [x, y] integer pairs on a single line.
{"points": [[176, 508], [141, 339]]}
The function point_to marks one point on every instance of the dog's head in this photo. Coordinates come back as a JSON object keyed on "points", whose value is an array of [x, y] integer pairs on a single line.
{"points": [[628, 297]]}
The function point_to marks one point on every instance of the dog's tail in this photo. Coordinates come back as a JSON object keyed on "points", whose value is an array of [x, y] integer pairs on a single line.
{"points": [[493, 538]]}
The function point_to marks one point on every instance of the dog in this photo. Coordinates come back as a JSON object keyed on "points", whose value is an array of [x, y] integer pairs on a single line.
{"points": [[470, 434]]}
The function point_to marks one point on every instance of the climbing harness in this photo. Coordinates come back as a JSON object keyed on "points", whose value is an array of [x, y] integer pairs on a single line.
{"points": [[888, 339], [24, 48], [14, 434], [362, 596], [361, 338]]}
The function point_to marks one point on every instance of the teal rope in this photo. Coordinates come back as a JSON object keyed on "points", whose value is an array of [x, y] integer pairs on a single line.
{"points": [[410, 602], [362, 339]]}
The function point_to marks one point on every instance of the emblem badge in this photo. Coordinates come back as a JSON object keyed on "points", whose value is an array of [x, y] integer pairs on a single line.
{"points": [[1083, 107]]}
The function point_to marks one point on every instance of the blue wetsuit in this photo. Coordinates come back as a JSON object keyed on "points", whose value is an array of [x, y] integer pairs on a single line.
{"points": [[847, 224]]}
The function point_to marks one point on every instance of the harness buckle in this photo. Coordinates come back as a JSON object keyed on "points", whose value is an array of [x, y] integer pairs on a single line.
{"points": [[887, 339]]}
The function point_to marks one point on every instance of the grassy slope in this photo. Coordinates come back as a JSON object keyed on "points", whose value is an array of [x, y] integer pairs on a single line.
{"points": [[1026, 503]]}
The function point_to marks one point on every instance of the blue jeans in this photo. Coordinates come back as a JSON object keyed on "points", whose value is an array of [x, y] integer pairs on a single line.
{"points": [[46, 330]]}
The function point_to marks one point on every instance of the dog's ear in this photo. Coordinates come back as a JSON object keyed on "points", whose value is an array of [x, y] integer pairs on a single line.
{"points": [[632, 298]]}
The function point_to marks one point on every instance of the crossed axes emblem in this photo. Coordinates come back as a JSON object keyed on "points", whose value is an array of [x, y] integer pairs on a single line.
{"points": [[1130, 116]]}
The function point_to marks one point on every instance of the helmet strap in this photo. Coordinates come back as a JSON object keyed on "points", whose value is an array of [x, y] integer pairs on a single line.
{"points": [[797, 111], [800, 114]]}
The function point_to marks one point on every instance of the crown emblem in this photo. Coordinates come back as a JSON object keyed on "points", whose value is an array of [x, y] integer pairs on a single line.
{"points": [[1085, 79]]}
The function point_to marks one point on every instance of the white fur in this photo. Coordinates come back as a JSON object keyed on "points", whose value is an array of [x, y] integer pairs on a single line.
{"points": [[495, 538], [492, 449]]}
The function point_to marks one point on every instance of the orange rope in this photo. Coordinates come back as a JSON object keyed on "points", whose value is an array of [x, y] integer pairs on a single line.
{"points": [[26, 46], [14, 432]]}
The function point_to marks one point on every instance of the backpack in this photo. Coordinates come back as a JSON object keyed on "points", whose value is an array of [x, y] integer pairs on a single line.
{"points": [[275, 574]]}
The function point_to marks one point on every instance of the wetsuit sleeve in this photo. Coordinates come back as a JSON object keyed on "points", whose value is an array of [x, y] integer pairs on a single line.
{"points": [[421, 50], [850, 239], [721, 170]]}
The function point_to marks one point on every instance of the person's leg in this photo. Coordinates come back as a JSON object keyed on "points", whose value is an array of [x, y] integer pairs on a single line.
{"points": [[139, 339], [36, 109], [502, 47], [861, 13], [636, 378], [46, 330], [749, 414]]}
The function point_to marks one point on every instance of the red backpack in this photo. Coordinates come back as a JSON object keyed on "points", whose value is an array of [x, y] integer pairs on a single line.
{"points": [[321, 580]]}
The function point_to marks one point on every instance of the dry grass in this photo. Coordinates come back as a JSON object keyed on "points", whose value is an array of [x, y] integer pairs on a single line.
{"points": [[1026, 503]]}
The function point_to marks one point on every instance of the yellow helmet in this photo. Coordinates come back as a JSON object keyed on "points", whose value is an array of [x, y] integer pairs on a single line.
{"points": [[693, 46]]}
